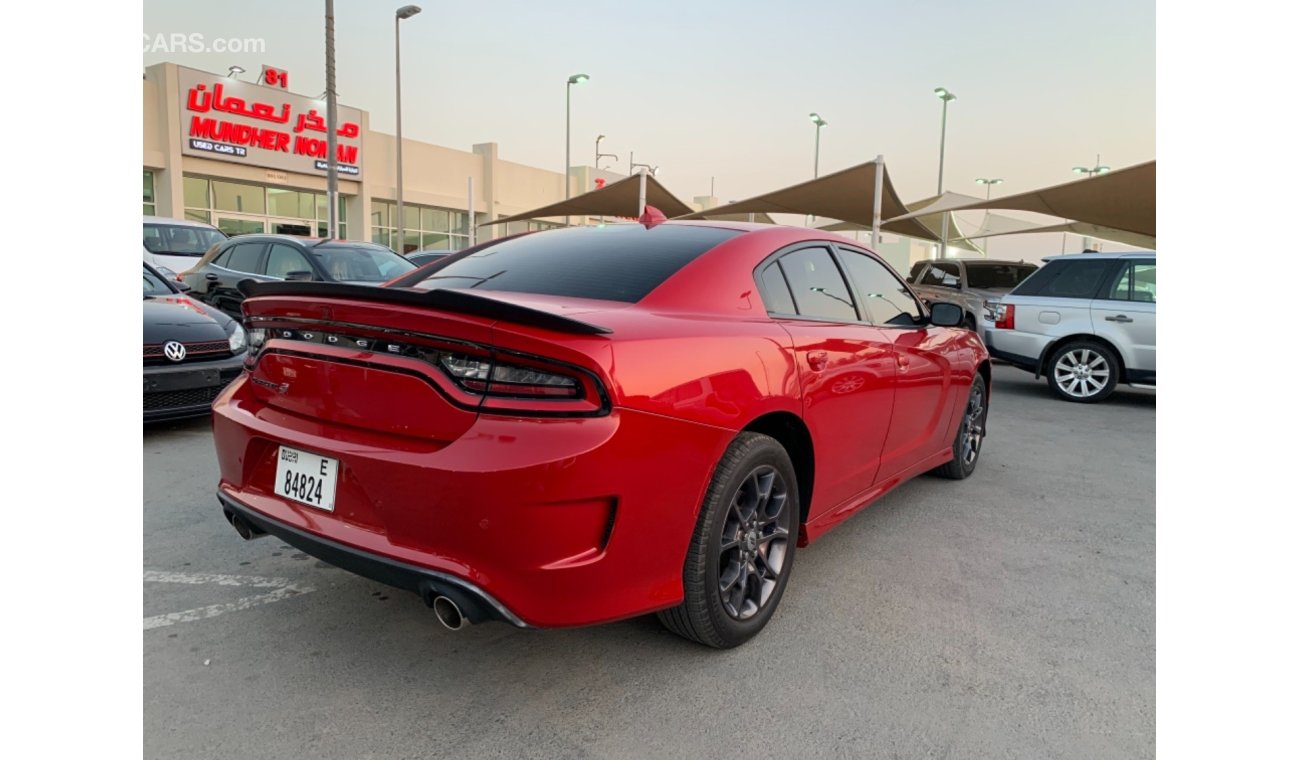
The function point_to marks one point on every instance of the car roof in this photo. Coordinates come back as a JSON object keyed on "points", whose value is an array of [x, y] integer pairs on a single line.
{"points": [[306, 242], [1107, 255], [177, 222]]}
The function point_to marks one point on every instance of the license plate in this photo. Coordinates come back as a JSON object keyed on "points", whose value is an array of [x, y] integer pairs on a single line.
{"points": [[306, 478]]}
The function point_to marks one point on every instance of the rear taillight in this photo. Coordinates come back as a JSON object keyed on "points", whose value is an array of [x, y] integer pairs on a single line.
{"points": [[1006, 316], [500, 379]]}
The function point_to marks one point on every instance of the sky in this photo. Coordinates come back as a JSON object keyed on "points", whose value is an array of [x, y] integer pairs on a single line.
{"points": [[721, 91]]}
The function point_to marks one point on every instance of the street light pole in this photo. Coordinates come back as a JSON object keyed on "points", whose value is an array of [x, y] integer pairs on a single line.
{"points": [[575, 79], [988, 184], [399, 224], [331, 127], [945, 96], [818, 123], [1096, 169]]}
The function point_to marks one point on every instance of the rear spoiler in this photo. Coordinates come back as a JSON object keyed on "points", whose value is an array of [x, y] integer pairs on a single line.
{"points": [[461, 301]]}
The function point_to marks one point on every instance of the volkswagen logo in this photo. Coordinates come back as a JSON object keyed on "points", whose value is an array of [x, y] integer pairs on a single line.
{"points": [[174, 350]]}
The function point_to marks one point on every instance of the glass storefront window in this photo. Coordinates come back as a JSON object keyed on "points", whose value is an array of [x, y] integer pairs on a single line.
{"points": [[410, 217], [245, 199], [410, 240], [291, 203], [196, 193], [435, 241], [427, 227], [194, 215], [150, 203]]}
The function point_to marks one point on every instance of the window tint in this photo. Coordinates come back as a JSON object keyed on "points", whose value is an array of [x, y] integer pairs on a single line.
{"points": [[1076, 279], [283, 259], [817, 285], [776, 292], [243, 258], [943, 275], [360, 262], [916, 271], [620, 262], [884, 296], [996, 276]]}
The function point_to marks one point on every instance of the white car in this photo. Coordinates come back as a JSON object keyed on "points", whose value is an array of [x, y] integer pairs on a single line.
{"points": [[174, 245], [1086, 321]]}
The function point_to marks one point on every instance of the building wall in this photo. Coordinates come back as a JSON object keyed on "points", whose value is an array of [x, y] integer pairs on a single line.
{"points": [[433, 175]]}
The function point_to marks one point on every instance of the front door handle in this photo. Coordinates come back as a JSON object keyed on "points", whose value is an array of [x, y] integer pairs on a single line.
{"points": [[210, 277], [1119, 318], [817, 360]]}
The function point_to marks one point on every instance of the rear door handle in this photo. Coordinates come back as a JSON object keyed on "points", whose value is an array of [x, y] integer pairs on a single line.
{"points": [[1119, 318], [817, 360]]}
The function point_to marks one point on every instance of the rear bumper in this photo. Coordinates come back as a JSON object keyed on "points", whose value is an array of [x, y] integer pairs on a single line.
{"points": [[476, 604], [561, 521]]}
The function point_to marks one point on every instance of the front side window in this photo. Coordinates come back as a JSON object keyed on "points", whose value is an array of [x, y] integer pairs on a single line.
{"points": [[154, 286], [283, 259], [1135, 282], [943, 275], [886, 299], [818, 287]]}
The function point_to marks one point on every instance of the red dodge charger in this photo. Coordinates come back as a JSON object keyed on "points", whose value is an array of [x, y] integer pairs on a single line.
{"points": [[587, 424]]}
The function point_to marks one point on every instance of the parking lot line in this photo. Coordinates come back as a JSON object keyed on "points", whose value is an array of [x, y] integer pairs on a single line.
{"points": [[283, 589]]}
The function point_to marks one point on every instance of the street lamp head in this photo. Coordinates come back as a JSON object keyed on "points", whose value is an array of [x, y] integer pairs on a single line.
{"points": [[235, 71], [1080, 170], [817, 119], [407, 11], [983, 181], [944, 94], [1102, 169], [599, 138], [578, 78]]}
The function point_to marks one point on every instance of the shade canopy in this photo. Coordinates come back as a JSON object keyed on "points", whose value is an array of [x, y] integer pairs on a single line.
{"points": [[847, 195], [1122, 201], [618, 199], [1078, 228]]}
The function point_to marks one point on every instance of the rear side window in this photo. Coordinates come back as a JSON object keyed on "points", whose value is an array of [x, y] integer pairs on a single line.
{"points": [[1067, 279], [818, 287], [776, 292], [621, 262], [916, 271]]}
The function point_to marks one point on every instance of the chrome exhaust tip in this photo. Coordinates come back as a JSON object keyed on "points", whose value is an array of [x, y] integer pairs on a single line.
{"points": [[448, 613]]}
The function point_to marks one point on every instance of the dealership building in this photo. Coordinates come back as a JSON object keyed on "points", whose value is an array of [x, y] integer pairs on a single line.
{"points": [[251, 157]]}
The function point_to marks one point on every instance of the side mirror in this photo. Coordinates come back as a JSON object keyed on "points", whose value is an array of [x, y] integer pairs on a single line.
{"points": [[299, 275], [946, 314], [182, 287]]}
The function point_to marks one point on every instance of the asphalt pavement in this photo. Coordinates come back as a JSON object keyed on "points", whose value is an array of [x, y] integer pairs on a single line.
{"points": [[1008, 615]]}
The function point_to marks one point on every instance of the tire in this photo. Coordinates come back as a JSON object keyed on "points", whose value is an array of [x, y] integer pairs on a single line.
{"points": [[1083, 372], [969, 442], [759, 554]]}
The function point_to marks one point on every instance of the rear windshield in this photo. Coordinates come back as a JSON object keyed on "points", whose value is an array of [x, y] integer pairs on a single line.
{"points": [[621, 262], [360, 263], [1005, 276]]}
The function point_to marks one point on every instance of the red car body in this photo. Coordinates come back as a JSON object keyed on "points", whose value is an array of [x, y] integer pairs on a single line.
{"points": [[562, 512]]}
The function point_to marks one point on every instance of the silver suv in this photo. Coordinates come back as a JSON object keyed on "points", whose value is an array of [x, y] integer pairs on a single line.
{"points": [[1086, 321], [969, 283]]}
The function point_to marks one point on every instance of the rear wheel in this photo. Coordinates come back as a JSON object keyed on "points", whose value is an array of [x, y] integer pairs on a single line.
{"points": [[970, 435], [1083, 372], [742, 551]]}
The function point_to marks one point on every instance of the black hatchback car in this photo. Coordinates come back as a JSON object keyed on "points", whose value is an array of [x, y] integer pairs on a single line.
{"points": [[191, 351], [215, 278]]}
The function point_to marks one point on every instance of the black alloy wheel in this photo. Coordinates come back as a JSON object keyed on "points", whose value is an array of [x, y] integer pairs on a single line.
{"points": [[970, 435], [742, 551]]}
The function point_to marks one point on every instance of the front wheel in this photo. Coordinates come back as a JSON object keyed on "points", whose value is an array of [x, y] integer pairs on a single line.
{"points": [[742, 551]]}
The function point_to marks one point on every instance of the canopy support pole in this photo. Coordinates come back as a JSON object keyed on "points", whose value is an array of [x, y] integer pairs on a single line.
{"points": [[640, 201], [875, 203]]}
